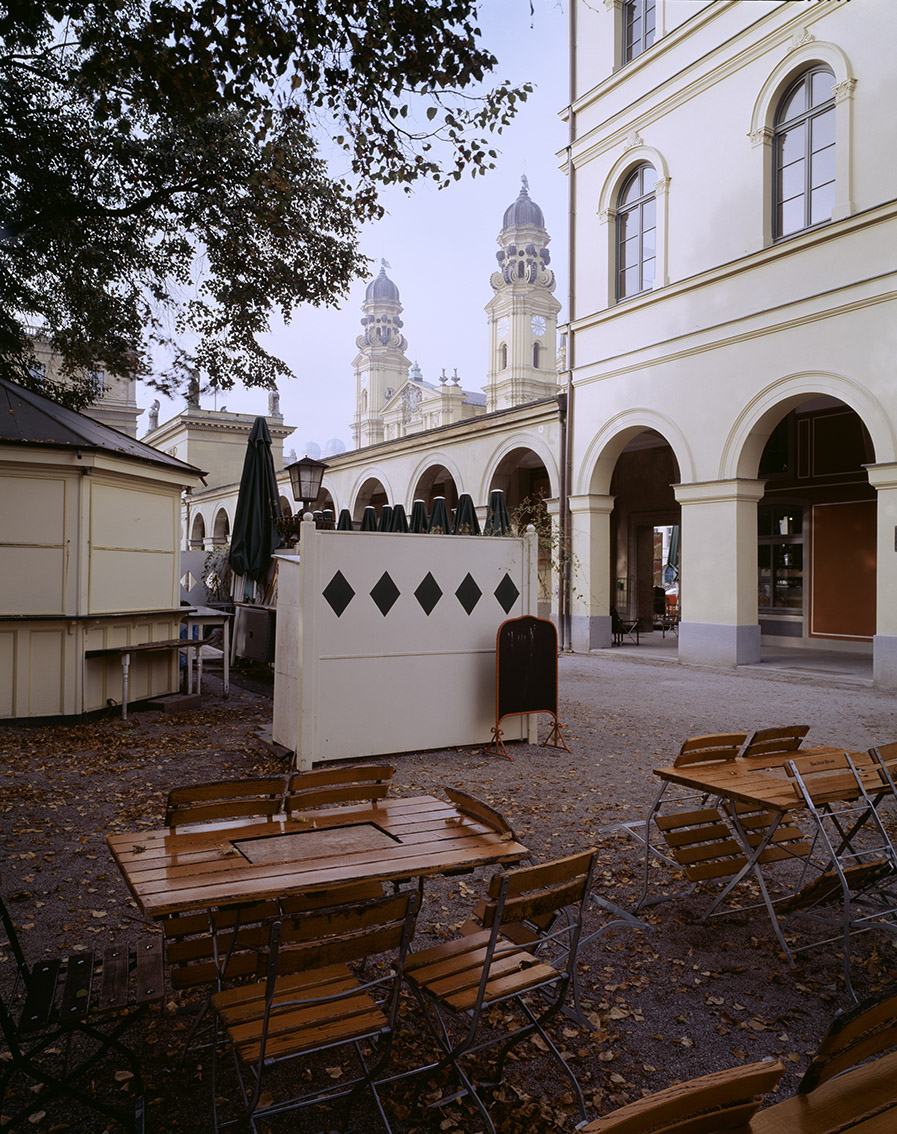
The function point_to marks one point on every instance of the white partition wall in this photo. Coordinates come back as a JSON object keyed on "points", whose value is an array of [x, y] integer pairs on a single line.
{"points": [[386, 642]]}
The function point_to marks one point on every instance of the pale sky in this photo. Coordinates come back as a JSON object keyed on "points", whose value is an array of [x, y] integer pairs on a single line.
{"points": [[440, 246]]}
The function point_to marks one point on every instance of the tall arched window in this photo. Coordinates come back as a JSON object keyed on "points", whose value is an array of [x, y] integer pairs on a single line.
{"points": [[804, 154], [638, 27], [636, 232], [536, 353], [503, 356]]}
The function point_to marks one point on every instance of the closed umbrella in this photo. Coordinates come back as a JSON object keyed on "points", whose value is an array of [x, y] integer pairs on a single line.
{"points": [[344, 524], [255, 538], [369, 519], [439, 518], [329, 522], [399, 519], [466, 522], [385, 522], [498, 522], [419, 522]]}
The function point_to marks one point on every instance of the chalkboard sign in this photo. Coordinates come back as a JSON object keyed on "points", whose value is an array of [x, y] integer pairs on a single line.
{"points": [[526, 679]]}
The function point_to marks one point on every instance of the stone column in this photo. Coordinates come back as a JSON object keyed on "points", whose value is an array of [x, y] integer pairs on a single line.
{"points": [[718, 596], [883, 479], [590, 601]]}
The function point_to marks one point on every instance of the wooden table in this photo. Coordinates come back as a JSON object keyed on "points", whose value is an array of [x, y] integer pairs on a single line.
{"points": [[861, 1101], [214, 864]]}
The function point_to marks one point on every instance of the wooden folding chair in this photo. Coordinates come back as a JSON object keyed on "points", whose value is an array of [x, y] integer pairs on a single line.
{"points": [[622, 628], [315, 1001], [697, 840], [457, 981], [721, 1101], [772, 747], [852, 861], [258, 798], [55, 1004], [864, 1032], [365, 783]]}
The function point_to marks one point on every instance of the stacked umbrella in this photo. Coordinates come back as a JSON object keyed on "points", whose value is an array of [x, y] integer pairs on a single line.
{"points": [[399, 519], [369, 519], [418, 523], [344, 524], [498, 522], [385, 522], [440, 524], [466, 522]]}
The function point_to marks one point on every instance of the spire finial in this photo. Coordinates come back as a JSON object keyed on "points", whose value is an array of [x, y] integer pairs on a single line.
{"points": [[384, 264], [524, 180]]}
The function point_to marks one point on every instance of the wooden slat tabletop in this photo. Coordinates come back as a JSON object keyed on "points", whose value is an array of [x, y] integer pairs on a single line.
{"points": [[203, 866], [759, 781]]}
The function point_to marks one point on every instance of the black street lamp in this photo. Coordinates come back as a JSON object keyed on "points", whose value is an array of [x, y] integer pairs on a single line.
{"points": [[305, 480]]}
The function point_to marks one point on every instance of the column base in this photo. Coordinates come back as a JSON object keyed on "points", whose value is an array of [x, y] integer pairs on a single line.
{"points": [[590, 632], [709, 643], [884, 661]]}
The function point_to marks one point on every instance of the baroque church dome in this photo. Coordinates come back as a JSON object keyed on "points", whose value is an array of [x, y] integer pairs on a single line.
{"points": [[382, 287], [524, 212]]}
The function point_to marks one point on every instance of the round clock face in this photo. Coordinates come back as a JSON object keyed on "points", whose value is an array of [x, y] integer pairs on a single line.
{"points": [[502, 328], [538, 325]]}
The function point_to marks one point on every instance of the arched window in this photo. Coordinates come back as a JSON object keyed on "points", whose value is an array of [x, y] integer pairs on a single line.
{"points": [[804, 154], [535, 356], [636, 232], [638, 27], [503, 356]]}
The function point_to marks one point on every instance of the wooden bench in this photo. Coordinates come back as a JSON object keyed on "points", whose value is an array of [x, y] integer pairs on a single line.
{"points": [[124, 653]]}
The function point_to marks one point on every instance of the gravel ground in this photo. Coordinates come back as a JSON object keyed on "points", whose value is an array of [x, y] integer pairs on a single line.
{"points": [[674, 1001]]}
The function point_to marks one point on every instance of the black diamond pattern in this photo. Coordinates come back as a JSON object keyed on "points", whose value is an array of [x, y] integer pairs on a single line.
{"points": [[338, 593], [506, 593], [428, 593], [385, 593], [469, 594]]}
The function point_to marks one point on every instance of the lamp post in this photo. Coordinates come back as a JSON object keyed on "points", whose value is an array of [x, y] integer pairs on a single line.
{"points": [[305, 480]]}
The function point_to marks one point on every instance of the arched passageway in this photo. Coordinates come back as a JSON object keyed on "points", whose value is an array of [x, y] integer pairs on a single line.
{"points": [[816, 526], [198, 533], [437, 481], [371, 493], [644, 530], [221, 531]]}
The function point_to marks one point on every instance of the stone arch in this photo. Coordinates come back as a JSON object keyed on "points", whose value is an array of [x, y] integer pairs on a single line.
{"points": [[370, 473], [437, 458], [600, 458], [286, 509], [198, 532], [797, 61], [519, 441], [745, 442], [372, 490], [221, 527]]}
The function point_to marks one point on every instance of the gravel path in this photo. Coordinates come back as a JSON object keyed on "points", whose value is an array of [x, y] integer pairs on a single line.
{"points": [[674, 1001]]}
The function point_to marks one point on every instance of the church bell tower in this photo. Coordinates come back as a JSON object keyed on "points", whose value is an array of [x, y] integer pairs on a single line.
{"points": [[381, 367], [523, 312]]}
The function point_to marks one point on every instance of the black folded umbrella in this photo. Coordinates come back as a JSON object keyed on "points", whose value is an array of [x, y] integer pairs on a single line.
{"points": [[440, 524], [344, 524], [419, 522], [385, 522], [466, 522], [399, 519], [329, 523], [369, 519], [498, 522], [255, 537]]}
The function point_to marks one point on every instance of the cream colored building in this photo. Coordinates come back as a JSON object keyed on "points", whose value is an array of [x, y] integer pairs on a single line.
{"points": [[731, 347], [90, 524]]}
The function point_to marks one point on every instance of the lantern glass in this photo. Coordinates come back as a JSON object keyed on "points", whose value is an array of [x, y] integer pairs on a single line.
{"points": [[305, 479]]}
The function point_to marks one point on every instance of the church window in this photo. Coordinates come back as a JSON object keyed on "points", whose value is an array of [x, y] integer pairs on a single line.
{"points": [[636, 232], [638, 27], [521, 268], [503, 356], [804, 154], [536, 356]]}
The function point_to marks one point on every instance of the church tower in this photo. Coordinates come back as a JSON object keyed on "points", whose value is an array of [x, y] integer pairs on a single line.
{"points": [[381, 367], [523, 312]]}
